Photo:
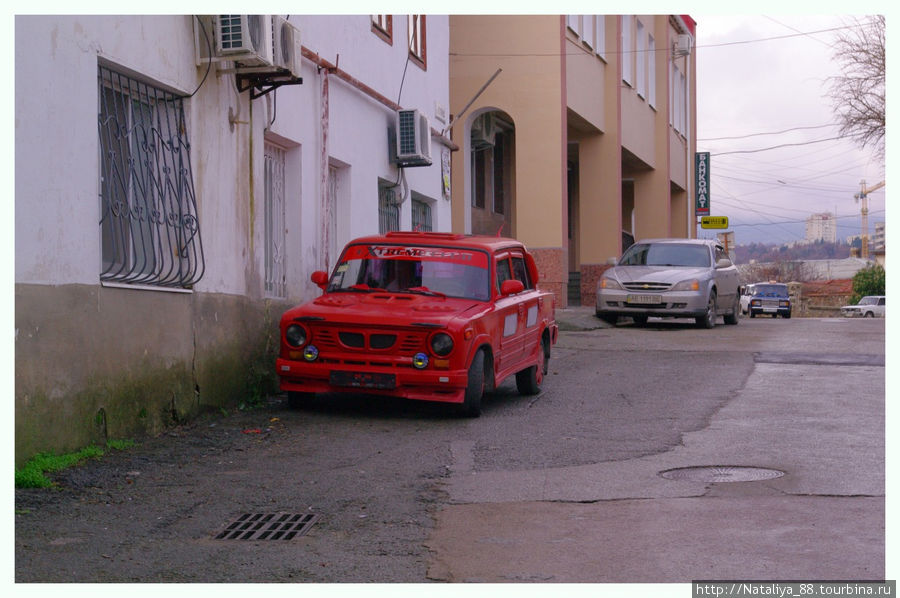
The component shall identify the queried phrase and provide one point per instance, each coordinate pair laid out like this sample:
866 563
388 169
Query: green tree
868 281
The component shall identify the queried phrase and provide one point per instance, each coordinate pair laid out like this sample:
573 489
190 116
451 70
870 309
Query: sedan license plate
363 380
644 299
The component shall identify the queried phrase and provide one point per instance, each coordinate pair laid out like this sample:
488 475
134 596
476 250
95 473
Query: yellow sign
714 221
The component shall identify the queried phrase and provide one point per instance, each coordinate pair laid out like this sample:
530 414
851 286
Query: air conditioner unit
413 138
484 132
245 39
287 50
683 45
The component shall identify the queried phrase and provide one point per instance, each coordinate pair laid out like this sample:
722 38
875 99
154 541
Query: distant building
821 227
878 238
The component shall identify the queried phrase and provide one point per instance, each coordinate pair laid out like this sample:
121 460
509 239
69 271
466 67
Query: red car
428 316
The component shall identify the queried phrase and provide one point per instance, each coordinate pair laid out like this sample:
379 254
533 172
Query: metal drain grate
721 473
268 526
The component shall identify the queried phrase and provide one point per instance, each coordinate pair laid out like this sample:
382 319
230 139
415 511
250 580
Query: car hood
664 274
381 308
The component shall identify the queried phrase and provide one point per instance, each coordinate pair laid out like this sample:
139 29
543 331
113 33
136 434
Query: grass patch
32 474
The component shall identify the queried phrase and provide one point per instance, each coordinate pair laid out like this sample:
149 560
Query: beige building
582 140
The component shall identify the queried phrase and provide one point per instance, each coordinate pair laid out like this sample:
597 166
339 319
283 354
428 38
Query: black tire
471 406
752 314
298 400
732 318
869 315
639 321
708 320
529 380
787 316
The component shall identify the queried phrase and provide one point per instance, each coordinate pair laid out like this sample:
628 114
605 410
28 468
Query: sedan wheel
471 406
708 320
732 318
529 380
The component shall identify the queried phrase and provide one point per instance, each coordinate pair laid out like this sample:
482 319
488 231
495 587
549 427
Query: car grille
769 302
646 286
400 342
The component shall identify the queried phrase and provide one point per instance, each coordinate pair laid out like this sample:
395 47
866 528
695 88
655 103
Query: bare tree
858 93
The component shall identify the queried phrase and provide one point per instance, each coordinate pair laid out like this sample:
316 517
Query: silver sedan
671 278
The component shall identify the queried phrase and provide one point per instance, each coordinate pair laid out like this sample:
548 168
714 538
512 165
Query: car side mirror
511 287
723 263
320 279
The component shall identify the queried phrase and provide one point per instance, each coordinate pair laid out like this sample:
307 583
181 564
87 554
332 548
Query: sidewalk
581 317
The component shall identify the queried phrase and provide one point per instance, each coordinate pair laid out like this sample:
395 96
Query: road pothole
721 473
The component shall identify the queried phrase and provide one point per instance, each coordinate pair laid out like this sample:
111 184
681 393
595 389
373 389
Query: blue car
770 298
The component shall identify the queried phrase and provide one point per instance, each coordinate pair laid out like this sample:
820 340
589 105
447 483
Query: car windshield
443 272
771 290
667 254
868 301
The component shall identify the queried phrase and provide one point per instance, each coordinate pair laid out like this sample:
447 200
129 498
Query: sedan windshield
771 290
868 301
666 254
427 271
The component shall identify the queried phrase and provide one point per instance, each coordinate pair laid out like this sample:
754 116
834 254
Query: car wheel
471 406
529 380
732 318
752 314
298 400
869 314
639 320
787 316
708 320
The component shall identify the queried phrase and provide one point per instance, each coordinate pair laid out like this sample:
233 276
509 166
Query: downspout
326 200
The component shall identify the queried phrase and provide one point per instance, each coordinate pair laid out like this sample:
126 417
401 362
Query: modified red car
428 316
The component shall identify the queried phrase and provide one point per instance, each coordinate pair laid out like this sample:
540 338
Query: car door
727 280
511 317
529 310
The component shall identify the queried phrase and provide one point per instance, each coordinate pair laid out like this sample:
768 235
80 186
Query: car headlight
295 335
610 283
687 285
441 344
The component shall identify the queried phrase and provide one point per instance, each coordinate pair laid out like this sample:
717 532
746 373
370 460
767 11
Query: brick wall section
553 272
590 274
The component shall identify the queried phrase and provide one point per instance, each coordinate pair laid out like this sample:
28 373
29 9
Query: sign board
714 222
701 188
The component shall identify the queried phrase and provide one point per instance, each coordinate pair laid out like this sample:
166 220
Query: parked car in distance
870 306
427 316
746 294
671 278
770 298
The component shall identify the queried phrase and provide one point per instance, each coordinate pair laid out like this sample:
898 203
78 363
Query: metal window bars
150 233
275 221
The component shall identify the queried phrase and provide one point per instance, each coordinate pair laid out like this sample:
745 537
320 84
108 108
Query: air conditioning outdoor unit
287 50
484 132
683 44
246 39
413 138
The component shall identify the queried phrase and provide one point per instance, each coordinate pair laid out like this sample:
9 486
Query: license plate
770 309
644 299
364 380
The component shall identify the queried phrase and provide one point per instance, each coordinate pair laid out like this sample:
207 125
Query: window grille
275 221
149 230
388 210
421 215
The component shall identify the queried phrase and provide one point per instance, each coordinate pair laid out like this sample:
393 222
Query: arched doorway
492 174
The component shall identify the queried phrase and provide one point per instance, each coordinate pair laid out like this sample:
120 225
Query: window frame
417 38
383 27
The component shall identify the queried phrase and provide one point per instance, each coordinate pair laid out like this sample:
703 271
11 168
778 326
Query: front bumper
669 304
446 386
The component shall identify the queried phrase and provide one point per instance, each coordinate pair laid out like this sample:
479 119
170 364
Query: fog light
420 361
310 353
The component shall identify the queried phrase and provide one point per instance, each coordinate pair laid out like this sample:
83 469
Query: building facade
176 197
578 135
821 227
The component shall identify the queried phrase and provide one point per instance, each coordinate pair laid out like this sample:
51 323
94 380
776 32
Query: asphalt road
565 486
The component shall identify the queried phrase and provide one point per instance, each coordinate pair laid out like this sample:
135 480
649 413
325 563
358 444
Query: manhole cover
721 473
268 526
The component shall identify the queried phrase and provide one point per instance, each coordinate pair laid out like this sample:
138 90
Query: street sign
714 222
701 174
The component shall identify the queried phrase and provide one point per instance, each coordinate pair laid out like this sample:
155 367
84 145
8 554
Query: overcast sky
751 88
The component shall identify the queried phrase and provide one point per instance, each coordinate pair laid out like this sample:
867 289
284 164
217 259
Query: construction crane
863 196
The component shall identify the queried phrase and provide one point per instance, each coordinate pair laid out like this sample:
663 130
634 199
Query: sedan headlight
687 285
610 283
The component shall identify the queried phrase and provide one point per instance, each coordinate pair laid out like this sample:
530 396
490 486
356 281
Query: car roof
485 242
681 241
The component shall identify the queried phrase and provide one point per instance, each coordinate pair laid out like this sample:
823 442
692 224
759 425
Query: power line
761 134
766 149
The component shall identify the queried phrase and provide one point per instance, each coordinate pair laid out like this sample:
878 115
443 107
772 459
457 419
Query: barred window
149 231
388 209
421 215
275 220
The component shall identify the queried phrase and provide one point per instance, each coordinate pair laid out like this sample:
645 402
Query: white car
870 306
671 278
746 294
